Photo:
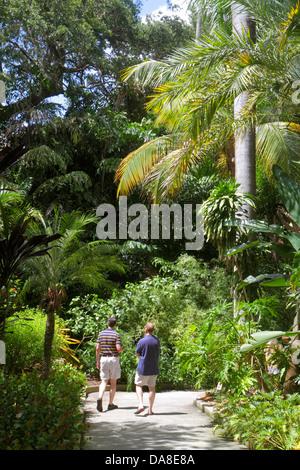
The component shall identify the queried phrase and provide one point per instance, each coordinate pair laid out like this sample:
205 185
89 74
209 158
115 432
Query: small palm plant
15 249
72 263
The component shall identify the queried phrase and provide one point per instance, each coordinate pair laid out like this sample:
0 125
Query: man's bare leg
102 389
139 392
151 399
112 392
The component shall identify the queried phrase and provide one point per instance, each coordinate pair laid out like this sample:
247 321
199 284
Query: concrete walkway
178 424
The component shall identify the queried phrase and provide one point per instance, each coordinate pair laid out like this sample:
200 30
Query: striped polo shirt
108 339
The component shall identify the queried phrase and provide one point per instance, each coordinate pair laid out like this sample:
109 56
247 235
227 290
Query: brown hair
112 321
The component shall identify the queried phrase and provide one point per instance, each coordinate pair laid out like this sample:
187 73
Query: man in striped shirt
109 344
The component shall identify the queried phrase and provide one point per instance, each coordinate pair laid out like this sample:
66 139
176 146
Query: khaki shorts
147 380
110 368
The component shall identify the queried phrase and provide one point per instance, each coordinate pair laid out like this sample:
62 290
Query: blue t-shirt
148 349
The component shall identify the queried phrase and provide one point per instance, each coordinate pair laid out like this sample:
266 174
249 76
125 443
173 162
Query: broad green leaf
282 250
245 246
280 282
258 226
290 192
294 239
262 337
261 278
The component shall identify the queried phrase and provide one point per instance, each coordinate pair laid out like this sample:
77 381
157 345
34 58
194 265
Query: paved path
176 425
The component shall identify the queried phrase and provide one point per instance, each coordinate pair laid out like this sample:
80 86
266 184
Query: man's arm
138 349
118 344
98 349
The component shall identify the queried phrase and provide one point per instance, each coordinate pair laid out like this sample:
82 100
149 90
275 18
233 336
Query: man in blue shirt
147 370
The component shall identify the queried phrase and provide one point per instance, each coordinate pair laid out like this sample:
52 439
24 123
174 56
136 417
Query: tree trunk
52 303
245 173
49 335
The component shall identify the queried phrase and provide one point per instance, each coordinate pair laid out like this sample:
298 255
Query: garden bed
260 421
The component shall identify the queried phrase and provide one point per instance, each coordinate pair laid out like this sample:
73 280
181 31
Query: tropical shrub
209 349
265 420
24 340
41 414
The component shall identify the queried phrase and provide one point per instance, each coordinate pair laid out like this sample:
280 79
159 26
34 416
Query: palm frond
90 264
71 260
40 160
278 143
291 26
73 181
149 72
136 165
165 178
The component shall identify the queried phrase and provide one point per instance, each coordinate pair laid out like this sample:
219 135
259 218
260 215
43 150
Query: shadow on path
176 425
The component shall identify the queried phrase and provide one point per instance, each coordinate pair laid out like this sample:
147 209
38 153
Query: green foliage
24 340
161 37
208 350
41 415
16 248
195 89
74 262
290 192
265 420
267 196
261 338
63 45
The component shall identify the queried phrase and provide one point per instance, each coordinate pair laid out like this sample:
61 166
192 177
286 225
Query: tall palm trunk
199 22
244 141
244 151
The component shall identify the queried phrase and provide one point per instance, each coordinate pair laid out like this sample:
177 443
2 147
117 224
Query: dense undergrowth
189 302
42 415
262 421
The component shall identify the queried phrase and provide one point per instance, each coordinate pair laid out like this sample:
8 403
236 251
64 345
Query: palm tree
16 248
195 92
72 263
